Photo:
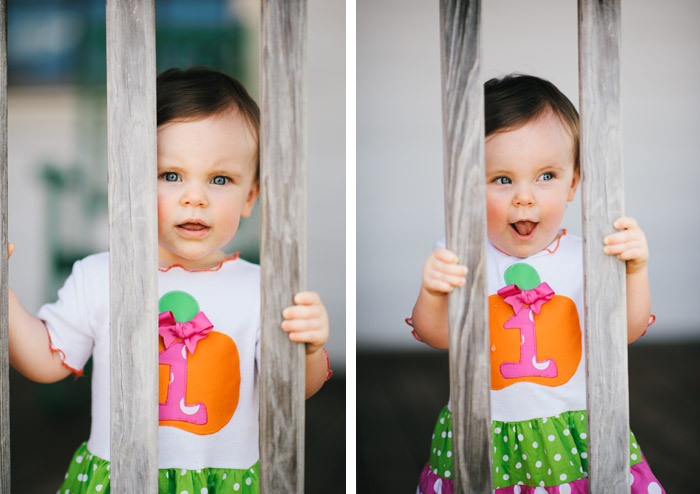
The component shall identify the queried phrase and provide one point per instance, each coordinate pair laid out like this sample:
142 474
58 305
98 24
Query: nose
523 196
194 195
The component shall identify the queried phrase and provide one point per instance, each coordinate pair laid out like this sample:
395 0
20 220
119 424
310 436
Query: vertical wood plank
603 202
131 143
283 241
465 213
4 337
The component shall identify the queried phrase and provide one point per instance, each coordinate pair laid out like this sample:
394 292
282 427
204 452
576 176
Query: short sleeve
68 319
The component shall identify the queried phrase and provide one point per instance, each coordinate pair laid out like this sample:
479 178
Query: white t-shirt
209 418
552 380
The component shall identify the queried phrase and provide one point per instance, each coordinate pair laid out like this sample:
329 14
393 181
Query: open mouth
193 229
193 226
524 228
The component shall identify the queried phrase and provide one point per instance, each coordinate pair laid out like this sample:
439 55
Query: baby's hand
10 249
629 244
442 273
307 321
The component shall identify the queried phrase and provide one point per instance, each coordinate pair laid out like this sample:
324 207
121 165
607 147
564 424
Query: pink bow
535 297
191 332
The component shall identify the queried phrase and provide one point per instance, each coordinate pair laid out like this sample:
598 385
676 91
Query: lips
193 226
193 229
524 228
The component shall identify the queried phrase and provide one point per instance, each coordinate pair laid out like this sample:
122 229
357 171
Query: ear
250 200
574 185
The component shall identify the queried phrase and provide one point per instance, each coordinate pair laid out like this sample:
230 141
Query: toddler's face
529 179
206 183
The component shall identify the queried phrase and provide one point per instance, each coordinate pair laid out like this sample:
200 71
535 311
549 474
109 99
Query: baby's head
514 100
208 160
532 162
200 92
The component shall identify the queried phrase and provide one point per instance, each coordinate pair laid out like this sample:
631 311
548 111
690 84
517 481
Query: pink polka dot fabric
642 481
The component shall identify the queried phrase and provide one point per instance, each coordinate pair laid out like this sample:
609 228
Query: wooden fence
283 241
4 336
131 101
602 190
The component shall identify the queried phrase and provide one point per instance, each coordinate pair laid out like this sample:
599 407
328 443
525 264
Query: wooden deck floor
400 395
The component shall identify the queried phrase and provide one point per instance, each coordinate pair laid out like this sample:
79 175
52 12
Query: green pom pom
183 305
523 275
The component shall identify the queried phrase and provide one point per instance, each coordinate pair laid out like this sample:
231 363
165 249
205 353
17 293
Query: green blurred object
219 47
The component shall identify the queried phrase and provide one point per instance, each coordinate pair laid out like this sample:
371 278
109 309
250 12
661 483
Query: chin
519 251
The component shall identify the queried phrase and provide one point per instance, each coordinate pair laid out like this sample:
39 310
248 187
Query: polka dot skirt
88 474
539 456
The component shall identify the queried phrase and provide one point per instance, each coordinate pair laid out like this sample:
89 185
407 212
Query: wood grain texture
131 142
283 241
4 337
465 208
603 203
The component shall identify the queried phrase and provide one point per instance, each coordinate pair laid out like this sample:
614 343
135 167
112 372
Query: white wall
399 146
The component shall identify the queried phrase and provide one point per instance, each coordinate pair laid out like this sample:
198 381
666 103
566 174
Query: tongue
524 227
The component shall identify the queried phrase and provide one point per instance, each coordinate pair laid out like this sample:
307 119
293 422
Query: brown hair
517 99
201 92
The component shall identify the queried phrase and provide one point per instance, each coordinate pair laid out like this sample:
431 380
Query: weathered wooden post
283 241
131 148
465 222
603 202
4 336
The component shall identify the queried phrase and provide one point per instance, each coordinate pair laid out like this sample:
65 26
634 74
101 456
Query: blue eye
547 176
220 180
170 177
503 180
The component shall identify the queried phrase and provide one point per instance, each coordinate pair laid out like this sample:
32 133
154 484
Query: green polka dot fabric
539 452
88 474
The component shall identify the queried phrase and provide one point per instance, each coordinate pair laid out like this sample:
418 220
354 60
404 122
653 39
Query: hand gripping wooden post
4 347
133 245
283 241
604 292
465 221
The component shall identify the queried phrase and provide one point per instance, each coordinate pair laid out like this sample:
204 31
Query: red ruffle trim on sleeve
652 320
76 372
329 372
409 321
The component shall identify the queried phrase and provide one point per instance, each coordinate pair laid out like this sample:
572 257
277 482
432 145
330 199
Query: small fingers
445 255
10 249
619 248
302 312
301 337
307 298
438 280
623 237
296 325
633 254
440 286
625 222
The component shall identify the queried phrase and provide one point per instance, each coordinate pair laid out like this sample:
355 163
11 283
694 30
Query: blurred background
403 384
58 191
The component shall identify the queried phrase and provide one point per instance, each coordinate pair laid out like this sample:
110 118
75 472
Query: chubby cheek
555 209
496 215
164 211
227 219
